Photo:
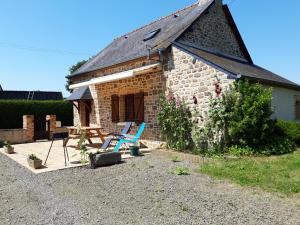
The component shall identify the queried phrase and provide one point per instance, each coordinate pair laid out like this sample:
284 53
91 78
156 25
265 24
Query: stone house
194 52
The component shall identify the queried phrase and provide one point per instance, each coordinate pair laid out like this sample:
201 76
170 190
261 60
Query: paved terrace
56 159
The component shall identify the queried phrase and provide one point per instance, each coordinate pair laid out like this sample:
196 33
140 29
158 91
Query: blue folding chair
130 139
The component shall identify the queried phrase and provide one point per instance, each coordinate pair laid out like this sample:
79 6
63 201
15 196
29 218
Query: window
298 110
151 35
128 108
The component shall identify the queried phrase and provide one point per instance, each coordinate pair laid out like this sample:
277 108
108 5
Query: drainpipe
161 56
160 52
149 52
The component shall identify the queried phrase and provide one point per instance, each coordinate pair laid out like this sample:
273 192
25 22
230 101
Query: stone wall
212 31
188 78
18 136
181 75
152 84
79 117
14 136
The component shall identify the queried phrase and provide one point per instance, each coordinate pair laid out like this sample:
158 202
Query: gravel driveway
140 191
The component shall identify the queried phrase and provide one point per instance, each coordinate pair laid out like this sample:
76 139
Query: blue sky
39 40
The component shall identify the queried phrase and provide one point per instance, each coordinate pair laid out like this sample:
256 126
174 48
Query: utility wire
38 49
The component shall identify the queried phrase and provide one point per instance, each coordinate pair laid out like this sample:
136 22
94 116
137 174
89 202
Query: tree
72 69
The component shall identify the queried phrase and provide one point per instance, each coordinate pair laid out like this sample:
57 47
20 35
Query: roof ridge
159 19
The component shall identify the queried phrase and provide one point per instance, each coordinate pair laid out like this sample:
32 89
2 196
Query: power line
39 49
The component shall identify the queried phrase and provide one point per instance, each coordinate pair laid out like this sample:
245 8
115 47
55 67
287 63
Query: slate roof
82 93
237 67
132 45
23 95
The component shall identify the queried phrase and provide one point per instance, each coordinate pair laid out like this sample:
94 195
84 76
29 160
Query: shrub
289 129
240 122
175 120
278 146
12 111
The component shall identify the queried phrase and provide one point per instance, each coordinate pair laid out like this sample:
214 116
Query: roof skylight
152 34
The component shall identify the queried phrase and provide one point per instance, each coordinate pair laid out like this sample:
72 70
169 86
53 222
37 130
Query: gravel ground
140 191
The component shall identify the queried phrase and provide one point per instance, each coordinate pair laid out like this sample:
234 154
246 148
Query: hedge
12 111
290 129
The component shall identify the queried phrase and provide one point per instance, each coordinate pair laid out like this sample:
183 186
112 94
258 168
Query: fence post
28 125
51 124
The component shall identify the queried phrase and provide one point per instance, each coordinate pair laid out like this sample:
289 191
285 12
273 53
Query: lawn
274 174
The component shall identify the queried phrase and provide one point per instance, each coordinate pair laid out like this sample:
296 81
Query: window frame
134 108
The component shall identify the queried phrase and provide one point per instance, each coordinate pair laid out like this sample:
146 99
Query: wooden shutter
115 109
129 108
139 107
297 110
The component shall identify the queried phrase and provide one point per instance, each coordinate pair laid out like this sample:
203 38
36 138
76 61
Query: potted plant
8 148
34 161
134 150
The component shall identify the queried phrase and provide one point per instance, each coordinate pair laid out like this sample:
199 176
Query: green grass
274 174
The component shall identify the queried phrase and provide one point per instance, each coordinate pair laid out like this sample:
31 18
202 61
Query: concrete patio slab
56 159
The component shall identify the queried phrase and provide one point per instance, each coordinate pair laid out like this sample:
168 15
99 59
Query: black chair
59 136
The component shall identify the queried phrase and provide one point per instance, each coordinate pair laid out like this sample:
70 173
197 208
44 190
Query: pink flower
178 102
171 97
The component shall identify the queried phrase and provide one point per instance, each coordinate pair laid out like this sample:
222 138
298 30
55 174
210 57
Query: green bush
289 129
175 120
241 116
278 146
12 111
240 123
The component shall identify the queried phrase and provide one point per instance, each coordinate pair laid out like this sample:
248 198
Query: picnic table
90 132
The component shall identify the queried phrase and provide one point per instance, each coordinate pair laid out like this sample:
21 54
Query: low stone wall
26 134
15 136
18 136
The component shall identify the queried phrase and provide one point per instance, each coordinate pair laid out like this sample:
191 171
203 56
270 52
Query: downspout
160 53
